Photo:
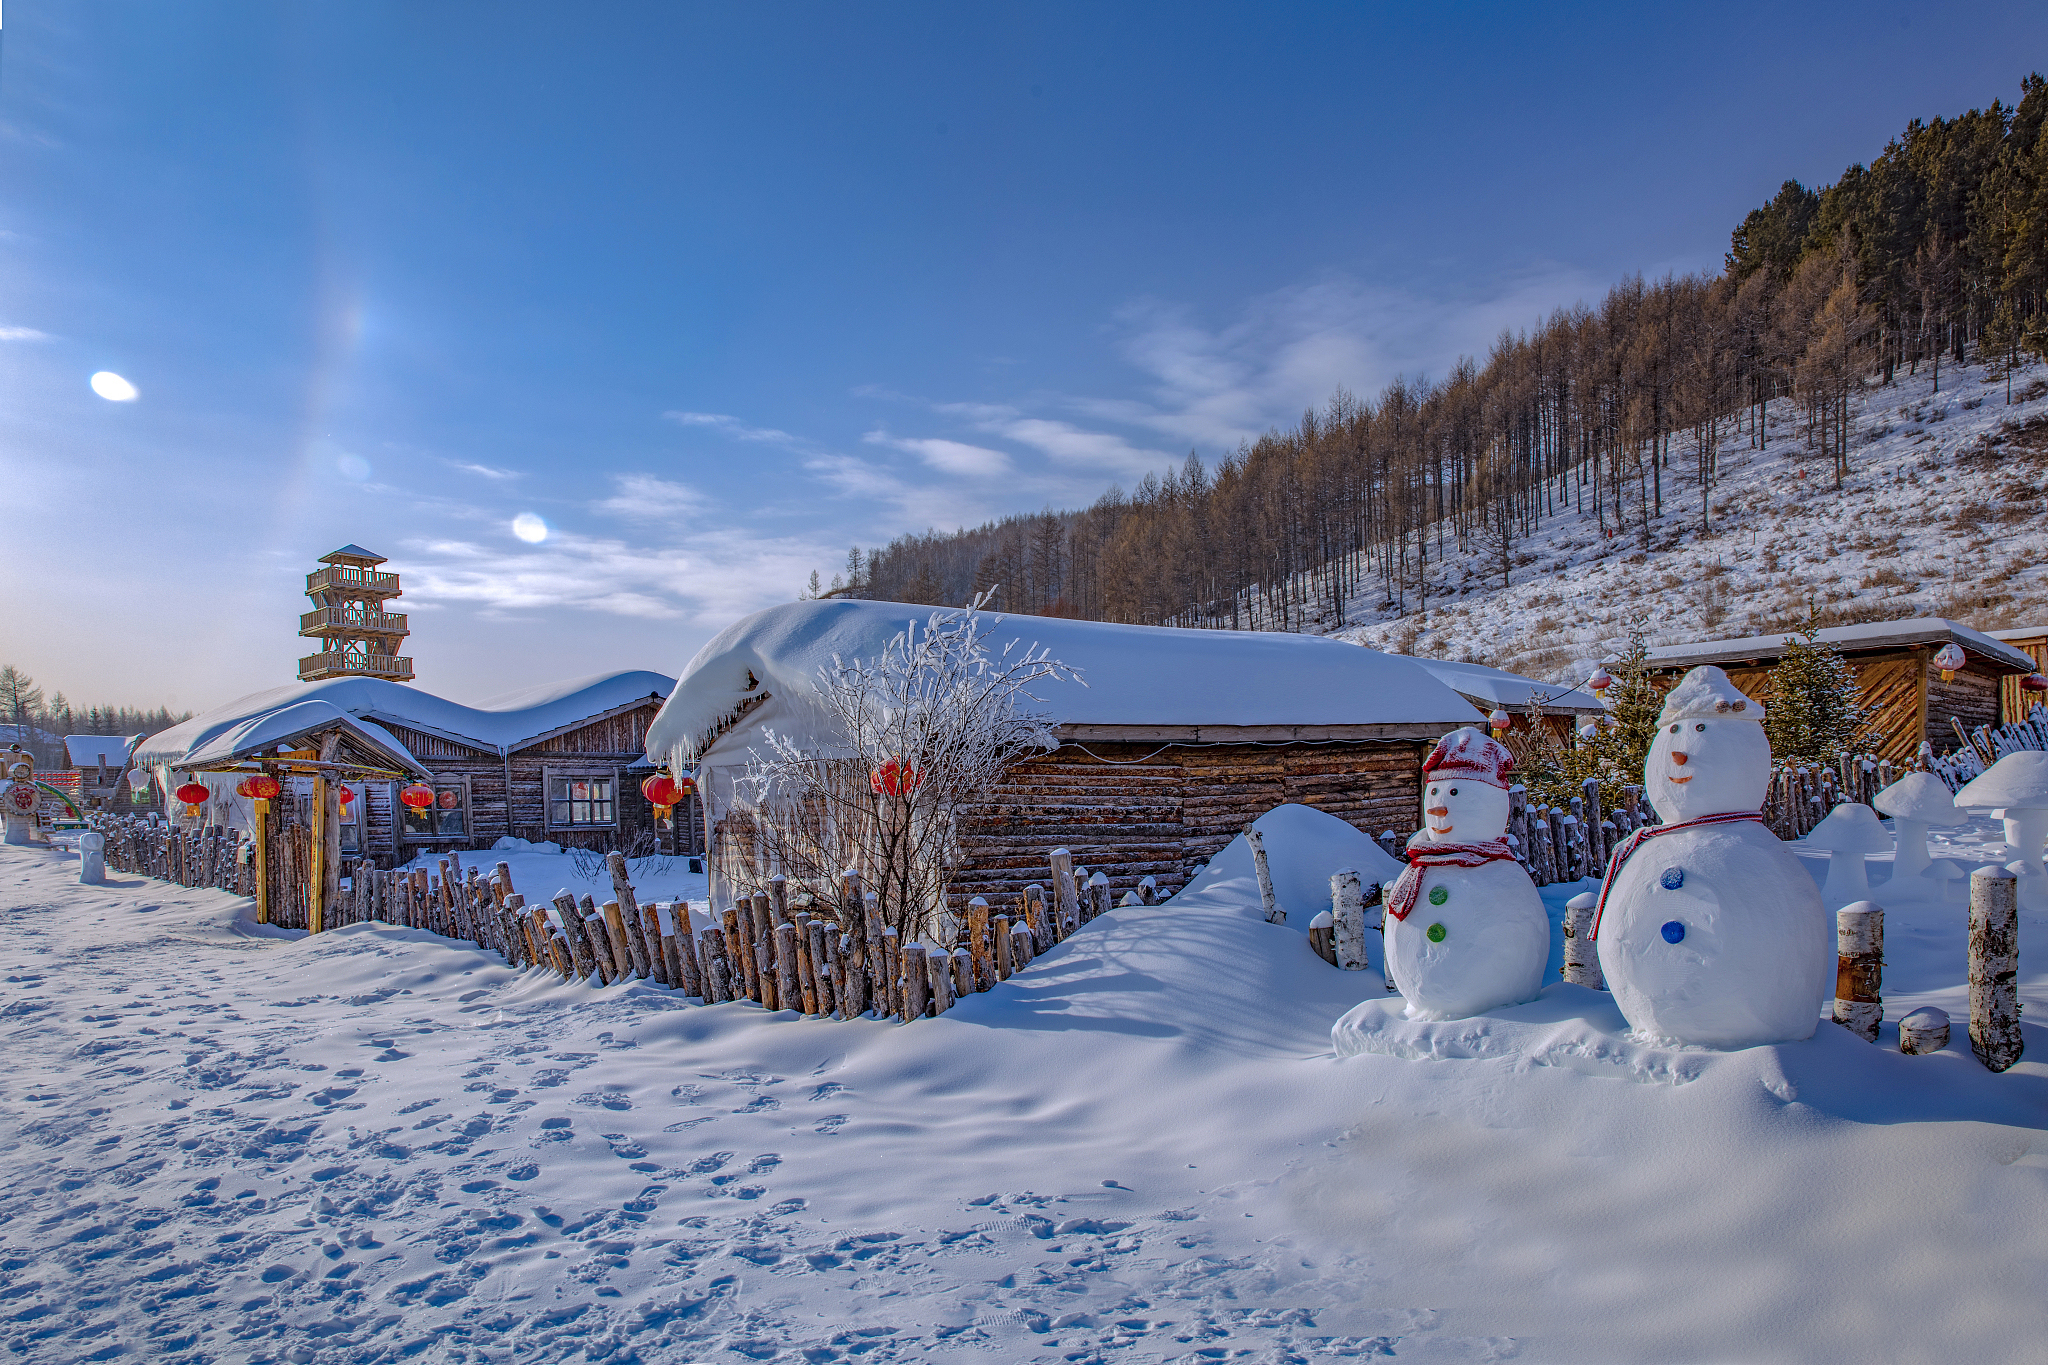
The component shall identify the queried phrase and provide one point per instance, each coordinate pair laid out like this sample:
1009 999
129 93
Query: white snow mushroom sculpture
1916 803
1849 832
2016 787
1709 930
1465 929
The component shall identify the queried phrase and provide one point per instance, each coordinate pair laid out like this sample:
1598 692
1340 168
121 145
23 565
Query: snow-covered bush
910 741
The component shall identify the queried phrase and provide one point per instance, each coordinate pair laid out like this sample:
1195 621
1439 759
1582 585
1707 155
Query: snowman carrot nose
1678 758
1439 810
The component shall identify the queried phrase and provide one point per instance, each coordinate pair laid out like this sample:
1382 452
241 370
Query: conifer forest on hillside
1933 256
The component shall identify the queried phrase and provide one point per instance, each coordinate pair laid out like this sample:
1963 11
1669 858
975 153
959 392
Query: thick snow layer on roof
2019 633
1133 675
90 751
1509 689
1869 634
500 724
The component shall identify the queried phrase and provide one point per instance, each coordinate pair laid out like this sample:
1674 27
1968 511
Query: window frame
550 776
404 817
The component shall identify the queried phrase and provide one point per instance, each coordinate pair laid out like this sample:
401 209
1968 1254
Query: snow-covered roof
91 751
1925 630
1133 675
499 725
351 551
1498 687
2020 633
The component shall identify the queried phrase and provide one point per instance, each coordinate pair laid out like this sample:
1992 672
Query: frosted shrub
910 742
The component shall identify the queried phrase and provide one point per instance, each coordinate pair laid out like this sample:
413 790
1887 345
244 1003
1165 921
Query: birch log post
1859 968
1066 911
1581 953
821 965
1923 1031
1347 909
1269 905
1994 967
711 961
853 977
939 971
1021 952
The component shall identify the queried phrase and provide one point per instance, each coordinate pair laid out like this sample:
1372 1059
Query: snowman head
1710 754
1465 789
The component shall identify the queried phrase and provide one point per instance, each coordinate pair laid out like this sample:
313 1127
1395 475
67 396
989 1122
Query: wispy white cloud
948 457
726 425
643 497
484 471
22 334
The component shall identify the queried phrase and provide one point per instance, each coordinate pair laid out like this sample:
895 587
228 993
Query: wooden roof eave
362 739
1257 734
560 730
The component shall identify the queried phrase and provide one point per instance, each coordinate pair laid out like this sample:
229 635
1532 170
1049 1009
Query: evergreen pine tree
1615 753
1815 712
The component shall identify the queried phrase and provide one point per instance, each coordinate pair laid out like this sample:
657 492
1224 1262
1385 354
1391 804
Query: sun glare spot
529 528
113 387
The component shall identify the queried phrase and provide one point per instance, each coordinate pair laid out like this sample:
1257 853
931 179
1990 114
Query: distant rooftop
351 554
1925 630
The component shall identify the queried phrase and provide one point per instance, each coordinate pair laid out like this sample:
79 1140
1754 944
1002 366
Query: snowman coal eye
1432 791
1676 728
1699 727
1454 791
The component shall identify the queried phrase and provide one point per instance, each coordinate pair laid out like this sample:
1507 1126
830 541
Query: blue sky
716 292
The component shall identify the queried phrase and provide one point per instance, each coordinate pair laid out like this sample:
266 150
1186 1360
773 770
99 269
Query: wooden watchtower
358 638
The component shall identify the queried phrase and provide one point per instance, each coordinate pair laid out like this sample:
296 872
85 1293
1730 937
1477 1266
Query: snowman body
1476 940
1714 935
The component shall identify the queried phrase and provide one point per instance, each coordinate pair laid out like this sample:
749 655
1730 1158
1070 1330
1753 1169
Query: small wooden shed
2014 702
1894 666
558 764
1177 741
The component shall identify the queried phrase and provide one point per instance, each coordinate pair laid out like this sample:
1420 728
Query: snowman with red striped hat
1709 930
1465 929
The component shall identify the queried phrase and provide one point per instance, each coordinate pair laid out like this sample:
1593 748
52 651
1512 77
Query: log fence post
1581 954
1347 911
1269 904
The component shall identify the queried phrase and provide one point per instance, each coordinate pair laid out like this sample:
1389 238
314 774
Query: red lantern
661 792
347 796
242 787
193 794
263 786
1500 720
1600 682
2034 682
1948 659
417 796
448 800
896 778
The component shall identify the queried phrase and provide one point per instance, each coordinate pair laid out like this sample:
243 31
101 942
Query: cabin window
584 801
353 815
447 818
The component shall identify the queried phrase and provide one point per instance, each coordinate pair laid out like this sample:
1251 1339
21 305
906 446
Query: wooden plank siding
2015 703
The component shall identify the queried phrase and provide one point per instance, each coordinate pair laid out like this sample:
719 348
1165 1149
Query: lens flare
529 528
113 387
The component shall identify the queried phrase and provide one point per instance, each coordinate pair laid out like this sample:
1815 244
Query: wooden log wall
1132 811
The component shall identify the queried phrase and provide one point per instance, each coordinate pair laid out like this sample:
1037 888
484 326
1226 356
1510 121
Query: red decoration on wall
263 786
417 796
661 791
896 778
194 794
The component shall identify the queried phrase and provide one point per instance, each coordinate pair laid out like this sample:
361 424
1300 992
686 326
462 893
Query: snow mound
1303 847
1566 1026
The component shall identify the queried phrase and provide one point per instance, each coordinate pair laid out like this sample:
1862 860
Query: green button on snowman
1465 929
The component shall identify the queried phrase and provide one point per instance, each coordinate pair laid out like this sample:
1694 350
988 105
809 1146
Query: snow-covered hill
1942 515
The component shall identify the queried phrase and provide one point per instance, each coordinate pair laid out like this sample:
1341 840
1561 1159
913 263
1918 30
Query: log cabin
1895 674
101 762
558 764
2016 702
1168 746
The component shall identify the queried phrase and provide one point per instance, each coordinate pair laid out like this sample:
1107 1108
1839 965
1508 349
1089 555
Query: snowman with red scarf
1709 930
1465 929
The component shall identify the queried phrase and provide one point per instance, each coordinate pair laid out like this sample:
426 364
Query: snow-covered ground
226 1143
1925 525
